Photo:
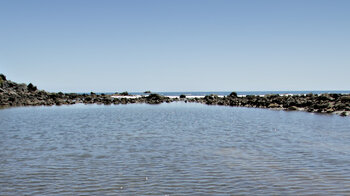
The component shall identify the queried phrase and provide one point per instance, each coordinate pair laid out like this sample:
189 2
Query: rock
147 92
124 93
334 95
321 105
273 105
272 96
211 99
13 94
345 99
292 108
31 87
154 99
60 95
330 110
325 97
344 114
2 77
22 88
233 94
154 96
250 96
88 99
340 106
310 95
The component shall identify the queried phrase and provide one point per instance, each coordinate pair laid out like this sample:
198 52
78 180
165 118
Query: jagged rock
31 87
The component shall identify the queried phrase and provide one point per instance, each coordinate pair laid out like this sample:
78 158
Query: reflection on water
172 149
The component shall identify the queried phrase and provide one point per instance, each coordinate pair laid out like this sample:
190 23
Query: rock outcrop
13 94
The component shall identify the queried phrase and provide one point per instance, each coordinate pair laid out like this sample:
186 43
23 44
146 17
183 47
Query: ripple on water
172 149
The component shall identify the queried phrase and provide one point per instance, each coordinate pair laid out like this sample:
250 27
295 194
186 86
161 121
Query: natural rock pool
172 149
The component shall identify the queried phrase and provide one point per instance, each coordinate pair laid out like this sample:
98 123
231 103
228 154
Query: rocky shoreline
14 94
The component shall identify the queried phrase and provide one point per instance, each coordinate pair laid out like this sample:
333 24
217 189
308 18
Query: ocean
224 93
172 149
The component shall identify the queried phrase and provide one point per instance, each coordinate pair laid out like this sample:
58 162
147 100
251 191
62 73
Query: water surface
171 149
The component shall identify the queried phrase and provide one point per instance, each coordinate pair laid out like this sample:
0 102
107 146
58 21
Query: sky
176 45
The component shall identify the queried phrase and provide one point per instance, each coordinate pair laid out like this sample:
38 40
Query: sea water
172 149
225 93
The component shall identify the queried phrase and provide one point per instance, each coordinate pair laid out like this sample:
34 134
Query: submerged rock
344 114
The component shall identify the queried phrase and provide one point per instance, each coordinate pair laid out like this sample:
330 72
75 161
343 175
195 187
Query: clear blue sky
178 45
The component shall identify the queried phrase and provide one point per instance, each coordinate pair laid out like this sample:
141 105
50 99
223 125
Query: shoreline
13 94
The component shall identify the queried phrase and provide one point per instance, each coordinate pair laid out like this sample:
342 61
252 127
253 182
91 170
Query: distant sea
224 93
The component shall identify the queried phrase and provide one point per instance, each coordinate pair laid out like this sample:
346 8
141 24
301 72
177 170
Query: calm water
172 149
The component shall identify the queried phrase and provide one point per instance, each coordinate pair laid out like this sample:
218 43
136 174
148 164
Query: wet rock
273 105
330 110
292 108
344 114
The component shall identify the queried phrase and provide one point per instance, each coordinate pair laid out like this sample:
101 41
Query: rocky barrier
323 103
13 94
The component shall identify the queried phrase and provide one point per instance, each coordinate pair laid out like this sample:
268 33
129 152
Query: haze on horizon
184 45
